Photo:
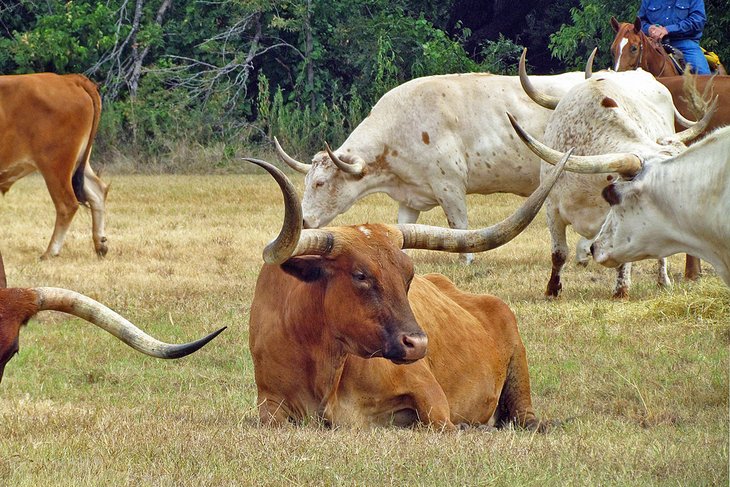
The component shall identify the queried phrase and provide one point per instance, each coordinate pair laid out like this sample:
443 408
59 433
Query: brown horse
632 49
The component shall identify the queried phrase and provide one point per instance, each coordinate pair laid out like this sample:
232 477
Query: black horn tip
179 351
520 131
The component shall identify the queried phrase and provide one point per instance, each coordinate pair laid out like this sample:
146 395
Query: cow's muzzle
408 348
602 257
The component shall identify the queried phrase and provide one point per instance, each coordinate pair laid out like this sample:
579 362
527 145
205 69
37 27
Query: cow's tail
77 180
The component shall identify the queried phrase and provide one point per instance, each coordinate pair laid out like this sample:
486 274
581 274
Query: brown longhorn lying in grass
340 325
18 305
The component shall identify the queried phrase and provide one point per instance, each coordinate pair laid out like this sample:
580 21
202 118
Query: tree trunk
138 57
308 48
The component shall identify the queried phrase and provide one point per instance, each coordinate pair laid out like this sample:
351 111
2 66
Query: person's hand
656 32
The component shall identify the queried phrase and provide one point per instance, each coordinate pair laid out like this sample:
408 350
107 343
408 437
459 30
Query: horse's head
628 46
632 49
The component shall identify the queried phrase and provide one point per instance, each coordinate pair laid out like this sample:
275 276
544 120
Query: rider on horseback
680 22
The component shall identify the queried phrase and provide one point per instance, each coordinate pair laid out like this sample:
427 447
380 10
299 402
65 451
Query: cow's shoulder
467 309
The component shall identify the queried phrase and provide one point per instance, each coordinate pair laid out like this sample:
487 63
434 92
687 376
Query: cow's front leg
272 412
406 214
432 406
96 192
453 201
623 281
662 278
559 255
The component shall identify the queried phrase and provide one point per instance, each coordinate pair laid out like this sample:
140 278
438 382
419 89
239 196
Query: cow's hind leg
662 278
515 402
95 191
66 205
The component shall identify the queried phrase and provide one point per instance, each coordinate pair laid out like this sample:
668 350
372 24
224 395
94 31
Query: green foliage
590 28
716 36
501 56
67 40
240 71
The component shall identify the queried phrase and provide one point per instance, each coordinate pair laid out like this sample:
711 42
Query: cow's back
431 124
42 115
611 112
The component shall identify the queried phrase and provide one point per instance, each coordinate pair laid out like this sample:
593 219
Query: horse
632 49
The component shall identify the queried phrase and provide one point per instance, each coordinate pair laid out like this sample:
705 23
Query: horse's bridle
643 37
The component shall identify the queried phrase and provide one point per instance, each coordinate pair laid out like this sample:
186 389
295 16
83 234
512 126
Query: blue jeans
692 55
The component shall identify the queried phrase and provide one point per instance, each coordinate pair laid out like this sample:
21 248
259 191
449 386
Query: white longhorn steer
611 112
430 142
672 206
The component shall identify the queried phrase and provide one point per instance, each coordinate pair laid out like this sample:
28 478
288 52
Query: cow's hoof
621 293
102 248
553 291
466 259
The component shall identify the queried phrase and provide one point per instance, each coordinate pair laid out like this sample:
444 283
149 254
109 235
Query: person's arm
645 23
694 23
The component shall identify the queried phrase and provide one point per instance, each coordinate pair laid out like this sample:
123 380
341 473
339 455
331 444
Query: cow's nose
414 345
593 250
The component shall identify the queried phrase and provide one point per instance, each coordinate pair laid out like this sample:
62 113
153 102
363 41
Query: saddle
676 56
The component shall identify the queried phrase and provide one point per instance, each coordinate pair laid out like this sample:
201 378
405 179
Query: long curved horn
450 240
541 99
355 167
293 163
589 63
56 299
684 122
292 240
699 127
626 164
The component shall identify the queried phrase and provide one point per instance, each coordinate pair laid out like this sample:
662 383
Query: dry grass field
642 383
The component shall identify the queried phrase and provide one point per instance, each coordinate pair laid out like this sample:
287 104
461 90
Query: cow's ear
614 24
611 195
308 268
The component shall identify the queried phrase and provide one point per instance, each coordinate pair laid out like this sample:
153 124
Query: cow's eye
359 276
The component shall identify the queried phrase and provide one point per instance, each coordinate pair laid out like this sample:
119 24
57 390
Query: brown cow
18 305
329 302
47 124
